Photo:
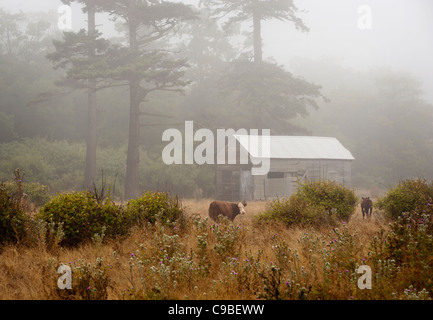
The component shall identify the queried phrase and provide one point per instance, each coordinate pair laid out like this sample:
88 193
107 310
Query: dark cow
366 207
227 209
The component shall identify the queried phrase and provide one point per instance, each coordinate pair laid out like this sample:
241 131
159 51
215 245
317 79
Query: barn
292 159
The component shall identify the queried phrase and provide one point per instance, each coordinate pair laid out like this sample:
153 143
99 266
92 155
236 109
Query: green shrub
83 216
329 196
407 196
287 210
12 217
153 206
314 203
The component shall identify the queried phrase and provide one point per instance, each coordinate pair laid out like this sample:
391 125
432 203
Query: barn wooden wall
235 183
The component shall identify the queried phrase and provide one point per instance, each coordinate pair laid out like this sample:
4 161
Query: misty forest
84 107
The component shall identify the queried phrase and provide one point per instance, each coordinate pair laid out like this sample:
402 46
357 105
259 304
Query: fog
400 36
362 74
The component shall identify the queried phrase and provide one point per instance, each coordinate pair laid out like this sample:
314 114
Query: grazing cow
227 209
366 207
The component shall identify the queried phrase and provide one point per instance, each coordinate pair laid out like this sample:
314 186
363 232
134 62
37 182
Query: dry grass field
201 260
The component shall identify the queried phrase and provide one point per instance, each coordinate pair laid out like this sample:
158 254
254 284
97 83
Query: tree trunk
91 138
258 56
132 181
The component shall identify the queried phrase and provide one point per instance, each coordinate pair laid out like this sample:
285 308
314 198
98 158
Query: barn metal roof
297 147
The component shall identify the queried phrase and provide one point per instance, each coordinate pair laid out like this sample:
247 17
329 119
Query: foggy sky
401 37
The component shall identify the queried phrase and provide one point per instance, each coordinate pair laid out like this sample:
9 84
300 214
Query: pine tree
257 11
145 67
78 52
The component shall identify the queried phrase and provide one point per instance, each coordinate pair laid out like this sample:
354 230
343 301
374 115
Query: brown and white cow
227 209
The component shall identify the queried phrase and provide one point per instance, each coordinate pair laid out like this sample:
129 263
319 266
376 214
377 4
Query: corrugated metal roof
297 147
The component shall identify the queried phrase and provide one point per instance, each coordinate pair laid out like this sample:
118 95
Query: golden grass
30 273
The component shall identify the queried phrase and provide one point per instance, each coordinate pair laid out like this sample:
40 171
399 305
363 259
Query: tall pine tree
257 11
144 66
77 52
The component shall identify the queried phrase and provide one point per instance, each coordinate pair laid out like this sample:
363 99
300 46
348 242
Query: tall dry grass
136 268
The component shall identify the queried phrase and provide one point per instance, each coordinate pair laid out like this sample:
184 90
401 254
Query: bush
287 210
82 216
330 197
315 203
12 217
407 196
153 206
